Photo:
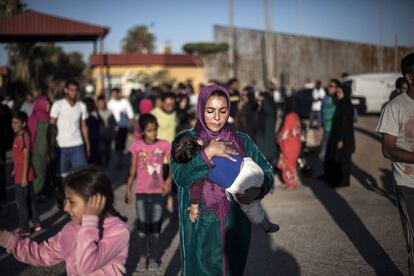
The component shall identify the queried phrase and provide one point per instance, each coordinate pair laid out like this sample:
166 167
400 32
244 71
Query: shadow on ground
349 222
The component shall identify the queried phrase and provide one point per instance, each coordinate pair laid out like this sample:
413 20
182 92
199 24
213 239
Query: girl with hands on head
95 241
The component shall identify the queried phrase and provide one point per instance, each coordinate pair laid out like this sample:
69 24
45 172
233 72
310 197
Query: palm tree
138 40
11 7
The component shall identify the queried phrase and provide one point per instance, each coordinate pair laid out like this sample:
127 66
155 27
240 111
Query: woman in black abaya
341 143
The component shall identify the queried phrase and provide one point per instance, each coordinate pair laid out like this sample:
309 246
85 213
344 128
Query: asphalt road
348 231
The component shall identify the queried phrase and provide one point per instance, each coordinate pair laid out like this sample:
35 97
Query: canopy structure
32 26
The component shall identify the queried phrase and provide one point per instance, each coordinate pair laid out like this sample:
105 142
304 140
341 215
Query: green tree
138 40
205 48
11 7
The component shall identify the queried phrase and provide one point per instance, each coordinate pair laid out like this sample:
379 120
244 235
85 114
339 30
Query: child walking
94 242
147 159
23 176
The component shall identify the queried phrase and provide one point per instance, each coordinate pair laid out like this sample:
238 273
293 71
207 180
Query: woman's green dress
201 242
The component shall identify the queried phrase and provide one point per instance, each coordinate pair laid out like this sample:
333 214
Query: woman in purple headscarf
38 127
218 243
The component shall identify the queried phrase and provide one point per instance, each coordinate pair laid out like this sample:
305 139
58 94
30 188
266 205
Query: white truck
370 92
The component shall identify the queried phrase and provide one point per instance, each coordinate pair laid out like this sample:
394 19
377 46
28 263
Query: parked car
370 92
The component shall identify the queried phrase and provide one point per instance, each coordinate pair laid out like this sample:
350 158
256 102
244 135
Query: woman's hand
95 205
249 195
340 144
219 148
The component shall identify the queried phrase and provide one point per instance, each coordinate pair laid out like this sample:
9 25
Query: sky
176 22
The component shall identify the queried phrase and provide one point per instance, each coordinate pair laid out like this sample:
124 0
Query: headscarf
145 106
39 113
227 133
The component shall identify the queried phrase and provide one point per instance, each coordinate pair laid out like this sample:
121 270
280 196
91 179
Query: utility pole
412 20
268 42
298 73
396 53
231 39
380 46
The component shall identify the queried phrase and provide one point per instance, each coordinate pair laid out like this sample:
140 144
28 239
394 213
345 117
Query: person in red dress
289 139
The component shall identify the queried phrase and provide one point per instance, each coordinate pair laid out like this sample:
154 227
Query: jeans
149 212
26 206
70 158
324 145
405 197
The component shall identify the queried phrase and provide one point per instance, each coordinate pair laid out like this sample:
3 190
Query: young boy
23 175
235 177
397 128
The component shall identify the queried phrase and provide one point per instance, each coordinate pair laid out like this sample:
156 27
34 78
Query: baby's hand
193 212
95 205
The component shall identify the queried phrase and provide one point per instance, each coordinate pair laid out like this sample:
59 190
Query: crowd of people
230 143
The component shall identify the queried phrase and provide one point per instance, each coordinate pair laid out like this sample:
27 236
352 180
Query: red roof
142 59
34 26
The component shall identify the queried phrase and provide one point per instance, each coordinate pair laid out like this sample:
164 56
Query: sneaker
153 265
142 265
37 227
22 231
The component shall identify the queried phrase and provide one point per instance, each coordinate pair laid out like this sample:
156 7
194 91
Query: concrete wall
297 58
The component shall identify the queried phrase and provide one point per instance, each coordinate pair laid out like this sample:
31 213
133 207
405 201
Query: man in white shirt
124 116
318 94
68 117
396 125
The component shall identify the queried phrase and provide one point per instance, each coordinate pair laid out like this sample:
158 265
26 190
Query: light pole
231 39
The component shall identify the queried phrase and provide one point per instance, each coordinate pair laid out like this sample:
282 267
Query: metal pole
297 73
412 20
101 75
380 46
231 39
396 53
268 41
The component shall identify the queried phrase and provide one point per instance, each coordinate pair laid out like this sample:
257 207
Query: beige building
127 71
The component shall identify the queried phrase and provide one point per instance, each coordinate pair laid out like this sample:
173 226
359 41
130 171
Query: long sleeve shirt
80 246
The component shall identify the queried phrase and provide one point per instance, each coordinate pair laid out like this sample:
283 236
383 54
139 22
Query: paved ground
348 231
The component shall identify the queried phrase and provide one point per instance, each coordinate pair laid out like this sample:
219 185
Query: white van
371 91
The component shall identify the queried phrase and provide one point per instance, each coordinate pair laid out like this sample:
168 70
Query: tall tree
11 7
138 40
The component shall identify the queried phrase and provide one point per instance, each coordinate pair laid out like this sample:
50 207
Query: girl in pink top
95 242
148 155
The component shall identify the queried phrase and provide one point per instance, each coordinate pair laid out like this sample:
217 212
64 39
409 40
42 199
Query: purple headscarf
39 113
227 133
